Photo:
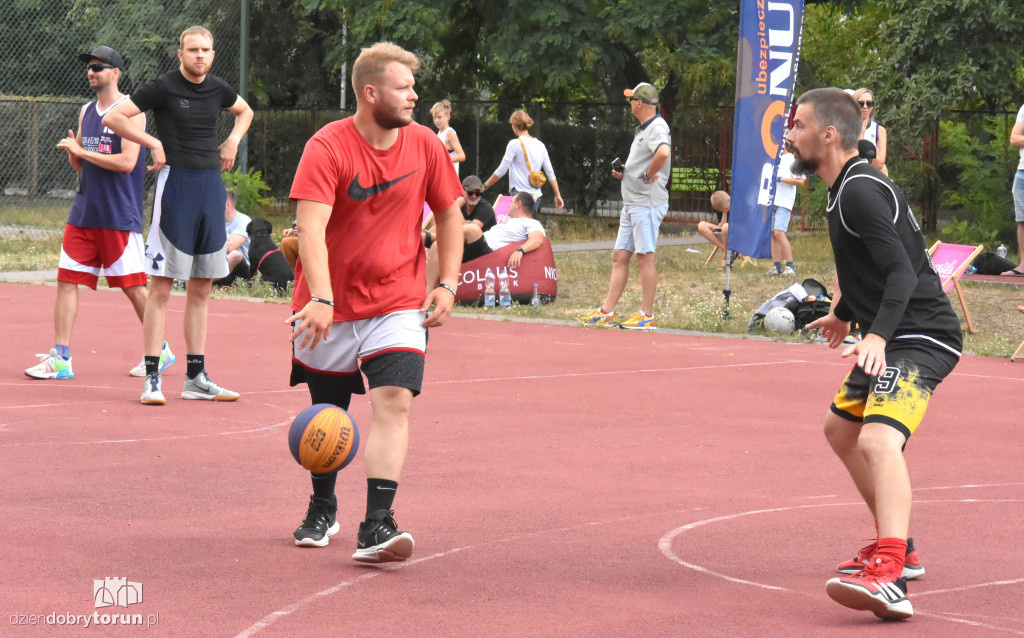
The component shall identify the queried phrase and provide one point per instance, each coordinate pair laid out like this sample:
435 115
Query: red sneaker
912 568
873 589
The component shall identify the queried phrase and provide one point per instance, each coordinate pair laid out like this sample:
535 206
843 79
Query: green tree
941 54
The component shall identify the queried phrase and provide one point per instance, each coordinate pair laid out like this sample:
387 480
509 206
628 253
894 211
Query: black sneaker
320 524
380 542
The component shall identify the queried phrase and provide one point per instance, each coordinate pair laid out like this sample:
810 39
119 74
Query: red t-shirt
375 251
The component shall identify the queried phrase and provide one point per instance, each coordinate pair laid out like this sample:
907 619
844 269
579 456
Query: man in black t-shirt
187 236
912 341
475 210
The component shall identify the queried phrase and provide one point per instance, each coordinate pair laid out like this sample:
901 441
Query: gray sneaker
202 388
151 394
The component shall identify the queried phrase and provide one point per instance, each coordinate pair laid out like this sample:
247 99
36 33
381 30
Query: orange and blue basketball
323 438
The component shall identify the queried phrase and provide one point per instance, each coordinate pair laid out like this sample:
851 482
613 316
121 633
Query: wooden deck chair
951 261
743 259
1016 353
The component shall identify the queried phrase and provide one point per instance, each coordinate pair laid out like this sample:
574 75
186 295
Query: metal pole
243 78
344 68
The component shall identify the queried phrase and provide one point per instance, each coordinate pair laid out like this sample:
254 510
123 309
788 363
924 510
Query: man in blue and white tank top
104 228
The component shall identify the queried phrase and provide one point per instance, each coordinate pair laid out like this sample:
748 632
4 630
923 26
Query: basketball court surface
561 481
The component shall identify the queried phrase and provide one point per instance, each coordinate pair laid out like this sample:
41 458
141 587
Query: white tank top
871 133
443 136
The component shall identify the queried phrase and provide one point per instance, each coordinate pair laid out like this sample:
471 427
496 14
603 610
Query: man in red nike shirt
360 280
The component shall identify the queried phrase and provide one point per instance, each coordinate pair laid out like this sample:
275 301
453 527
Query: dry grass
689 295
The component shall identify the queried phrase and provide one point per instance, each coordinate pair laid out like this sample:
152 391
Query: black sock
196 363
323 484
152 364
778 266
380 495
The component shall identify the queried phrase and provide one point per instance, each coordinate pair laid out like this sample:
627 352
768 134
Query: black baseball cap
104 54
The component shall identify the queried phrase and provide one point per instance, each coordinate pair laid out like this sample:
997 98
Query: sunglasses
869 104
474 193
99 68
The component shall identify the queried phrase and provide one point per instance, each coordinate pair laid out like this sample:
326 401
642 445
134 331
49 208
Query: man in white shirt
782 211
520 226
1017 140
237 246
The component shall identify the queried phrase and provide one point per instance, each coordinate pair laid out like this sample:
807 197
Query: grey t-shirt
649 137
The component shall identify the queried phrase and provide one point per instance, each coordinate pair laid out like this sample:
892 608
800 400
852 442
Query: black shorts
478 248
899 396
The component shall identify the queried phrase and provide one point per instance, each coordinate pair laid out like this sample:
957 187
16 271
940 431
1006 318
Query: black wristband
520 249
446 287
323 301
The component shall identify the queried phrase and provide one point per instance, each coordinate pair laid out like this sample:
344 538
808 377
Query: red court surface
562 481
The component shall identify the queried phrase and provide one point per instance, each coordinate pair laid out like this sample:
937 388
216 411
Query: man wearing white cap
645 178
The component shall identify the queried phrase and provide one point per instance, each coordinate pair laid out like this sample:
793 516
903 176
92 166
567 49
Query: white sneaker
167 360
51 366
789 270
151 394
203 388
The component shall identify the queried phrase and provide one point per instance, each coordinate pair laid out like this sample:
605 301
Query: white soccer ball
780 321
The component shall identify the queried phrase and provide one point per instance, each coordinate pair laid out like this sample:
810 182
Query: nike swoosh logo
360 194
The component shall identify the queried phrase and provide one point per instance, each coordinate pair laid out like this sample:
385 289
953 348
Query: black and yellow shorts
899 396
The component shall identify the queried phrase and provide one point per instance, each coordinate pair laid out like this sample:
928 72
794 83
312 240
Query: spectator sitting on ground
520 226
237 246
475 209
720 204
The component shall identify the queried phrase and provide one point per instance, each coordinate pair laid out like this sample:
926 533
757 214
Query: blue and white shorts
638 228
187 236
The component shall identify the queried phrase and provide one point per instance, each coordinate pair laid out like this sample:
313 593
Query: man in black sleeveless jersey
187 236
912 341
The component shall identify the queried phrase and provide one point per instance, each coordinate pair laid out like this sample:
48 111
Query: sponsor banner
766 65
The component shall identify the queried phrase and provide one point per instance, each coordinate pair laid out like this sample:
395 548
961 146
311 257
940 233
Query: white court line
959 487
566 375
973 623
159 439
665 545
274 616
966 587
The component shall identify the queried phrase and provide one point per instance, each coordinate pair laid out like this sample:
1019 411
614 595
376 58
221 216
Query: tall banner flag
766 63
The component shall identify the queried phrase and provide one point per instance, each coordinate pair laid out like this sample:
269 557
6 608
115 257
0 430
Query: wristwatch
520 249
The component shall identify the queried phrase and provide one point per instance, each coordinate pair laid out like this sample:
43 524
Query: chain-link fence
43 84
582 140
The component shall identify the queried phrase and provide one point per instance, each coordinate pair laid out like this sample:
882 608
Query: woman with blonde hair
442 114
525 155
871 130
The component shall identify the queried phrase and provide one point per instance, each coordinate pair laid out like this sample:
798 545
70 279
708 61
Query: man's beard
804 166
196 71
389 121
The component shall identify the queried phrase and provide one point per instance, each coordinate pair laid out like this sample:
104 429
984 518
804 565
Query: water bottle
1001 251
489 289
535 300
505 297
